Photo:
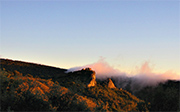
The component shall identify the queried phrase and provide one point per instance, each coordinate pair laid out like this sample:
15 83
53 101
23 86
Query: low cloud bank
102 69
144 76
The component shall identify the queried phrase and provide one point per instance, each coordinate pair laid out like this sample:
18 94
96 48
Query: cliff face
92 83
86 77
91 77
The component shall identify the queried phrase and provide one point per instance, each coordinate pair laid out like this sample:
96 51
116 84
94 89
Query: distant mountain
34 87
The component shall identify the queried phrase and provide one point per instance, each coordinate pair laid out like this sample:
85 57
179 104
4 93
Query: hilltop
34 87
42 71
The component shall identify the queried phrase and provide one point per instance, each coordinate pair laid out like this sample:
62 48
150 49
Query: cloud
148 77
143 77
102 69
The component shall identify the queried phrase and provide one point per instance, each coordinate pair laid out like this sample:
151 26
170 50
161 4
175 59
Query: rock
92 83
89 76
85 76
110 83
92 78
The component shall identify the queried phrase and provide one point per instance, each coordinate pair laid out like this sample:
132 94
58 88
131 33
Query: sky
73 33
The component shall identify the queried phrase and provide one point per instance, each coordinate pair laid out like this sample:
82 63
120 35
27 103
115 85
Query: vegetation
33 87
23 93
164 97
42 71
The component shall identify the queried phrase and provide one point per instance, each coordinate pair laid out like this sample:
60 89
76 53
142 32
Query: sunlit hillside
32 87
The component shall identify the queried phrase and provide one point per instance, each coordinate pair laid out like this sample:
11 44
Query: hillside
42 71
165 96
33 87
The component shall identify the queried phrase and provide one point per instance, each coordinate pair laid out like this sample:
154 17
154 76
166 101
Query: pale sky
76 33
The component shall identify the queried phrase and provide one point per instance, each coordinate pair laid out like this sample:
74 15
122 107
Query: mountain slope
42 71
22 93
52 89
164 96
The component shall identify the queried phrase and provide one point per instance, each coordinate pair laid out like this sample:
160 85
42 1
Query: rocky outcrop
92 83
110 83
87 76
92 77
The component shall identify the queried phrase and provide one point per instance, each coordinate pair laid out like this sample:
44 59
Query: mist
143 77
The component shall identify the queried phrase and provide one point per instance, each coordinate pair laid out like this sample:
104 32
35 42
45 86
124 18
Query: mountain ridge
60 91
72 89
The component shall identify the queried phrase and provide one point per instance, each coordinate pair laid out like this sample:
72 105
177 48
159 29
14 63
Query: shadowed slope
42 71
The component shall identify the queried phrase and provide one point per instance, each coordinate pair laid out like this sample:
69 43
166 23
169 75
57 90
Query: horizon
78 33
143 73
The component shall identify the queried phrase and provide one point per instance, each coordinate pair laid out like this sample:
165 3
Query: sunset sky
71 33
